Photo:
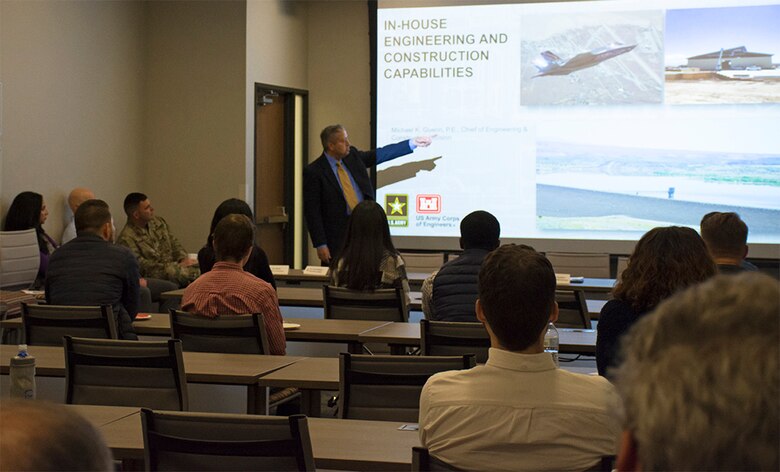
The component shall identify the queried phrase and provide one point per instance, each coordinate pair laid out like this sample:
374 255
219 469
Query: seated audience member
76 197
228 290
159 253
258 261
700 380
368 259
518 411
150 289
664 261
28 210
90 270
38 435
725 235
450 293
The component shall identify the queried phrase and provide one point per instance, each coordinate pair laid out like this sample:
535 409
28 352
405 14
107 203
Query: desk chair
125 373
622 264
606 464
47 324
233 334
422 262
572 309
205 441
385 304
20 257
580 264
387 388
446 338
422 461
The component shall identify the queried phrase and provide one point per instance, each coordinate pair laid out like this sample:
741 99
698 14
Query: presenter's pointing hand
423 141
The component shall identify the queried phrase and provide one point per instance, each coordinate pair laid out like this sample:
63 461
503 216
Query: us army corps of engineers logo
397 209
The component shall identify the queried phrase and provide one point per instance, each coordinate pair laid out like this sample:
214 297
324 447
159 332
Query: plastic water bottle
22 370
551 342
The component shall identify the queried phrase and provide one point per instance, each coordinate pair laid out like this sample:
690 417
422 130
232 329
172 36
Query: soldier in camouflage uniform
159 253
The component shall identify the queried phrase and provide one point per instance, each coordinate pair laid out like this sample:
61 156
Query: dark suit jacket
324 205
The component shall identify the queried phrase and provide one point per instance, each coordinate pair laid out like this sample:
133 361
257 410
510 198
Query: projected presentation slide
581 120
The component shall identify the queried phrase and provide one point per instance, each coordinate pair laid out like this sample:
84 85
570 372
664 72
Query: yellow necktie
346 186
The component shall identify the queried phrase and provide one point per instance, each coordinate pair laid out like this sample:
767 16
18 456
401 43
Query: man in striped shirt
228 290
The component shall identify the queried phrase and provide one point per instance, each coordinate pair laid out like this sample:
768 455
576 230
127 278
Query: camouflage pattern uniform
158 252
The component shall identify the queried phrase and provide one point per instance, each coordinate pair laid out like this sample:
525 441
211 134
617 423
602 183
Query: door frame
289 159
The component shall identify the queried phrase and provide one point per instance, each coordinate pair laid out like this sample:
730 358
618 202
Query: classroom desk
101 415
571 341
297 278
332 331
200 367
313 374
317 330
304 296
590 284
337 444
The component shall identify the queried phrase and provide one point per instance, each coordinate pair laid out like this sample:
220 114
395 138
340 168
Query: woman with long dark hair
258 261
28 210
368 259
664 261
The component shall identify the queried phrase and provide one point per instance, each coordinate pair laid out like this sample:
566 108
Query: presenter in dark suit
337 181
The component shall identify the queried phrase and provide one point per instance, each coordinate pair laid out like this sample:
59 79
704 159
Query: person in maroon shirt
229 290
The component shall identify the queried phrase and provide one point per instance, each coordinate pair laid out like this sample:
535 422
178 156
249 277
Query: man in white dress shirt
518 411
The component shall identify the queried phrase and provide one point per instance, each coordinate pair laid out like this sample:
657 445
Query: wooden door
270 179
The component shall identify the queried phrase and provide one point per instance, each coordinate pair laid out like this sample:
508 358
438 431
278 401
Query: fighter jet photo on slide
551 64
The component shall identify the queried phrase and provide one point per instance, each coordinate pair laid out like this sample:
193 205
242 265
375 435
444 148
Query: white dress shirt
519 412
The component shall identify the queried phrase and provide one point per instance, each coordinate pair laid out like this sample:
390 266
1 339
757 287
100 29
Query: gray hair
700 379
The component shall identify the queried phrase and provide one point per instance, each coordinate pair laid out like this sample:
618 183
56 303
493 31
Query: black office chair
385 304
233 334
206 441
125 373
422 461
448 338
572 309
47 324
388 387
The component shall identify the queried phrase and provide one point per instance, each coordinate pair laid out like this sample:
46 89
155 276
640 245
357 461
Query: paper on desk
563 278
280 269
315 270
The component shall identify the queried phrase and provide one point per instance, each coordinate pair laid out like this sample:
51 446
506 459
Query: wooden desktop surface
336 443
576 341
311 330
292 295
201 367
303 296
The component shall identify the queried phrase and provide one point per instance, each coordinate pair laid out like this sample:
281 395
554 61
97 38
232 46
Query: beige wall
194 129
339 71
158 97
72 100
275 55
